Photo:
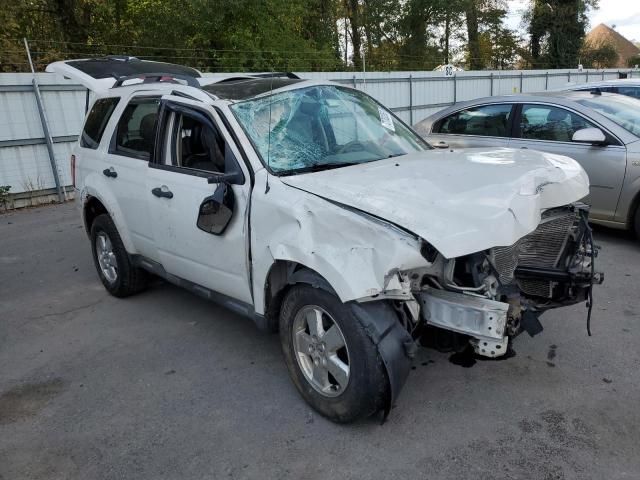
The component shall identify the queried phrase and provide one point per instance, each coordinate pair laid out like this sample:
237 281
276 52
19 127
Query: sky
625 14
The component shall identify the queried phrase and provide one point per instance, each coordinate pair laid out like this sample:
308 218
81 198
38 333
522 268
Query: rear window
97 122
486 120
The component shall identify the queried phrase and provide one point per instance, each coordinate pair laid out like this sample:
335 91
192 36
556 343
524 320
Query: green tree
557 29
603 55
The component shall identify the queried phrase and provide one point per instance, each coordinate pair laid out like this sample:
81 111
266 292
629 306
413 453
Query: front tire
112 261
331 360
636 222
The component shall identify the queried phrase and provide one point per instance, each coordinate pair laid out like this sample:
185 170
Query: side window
629 91
195 144
543 122
97 121
136 128
487 120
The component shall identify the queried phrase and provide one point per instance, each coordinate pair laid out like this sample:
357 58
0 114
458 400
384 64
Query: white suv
315 211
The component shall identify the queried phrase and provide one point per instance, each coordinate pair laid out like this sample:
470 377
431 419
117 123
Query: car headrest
557 115
147 127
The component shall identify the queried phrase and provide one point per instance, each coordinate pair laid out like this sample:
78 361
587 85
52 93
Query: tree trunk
356 40
473 36
447 34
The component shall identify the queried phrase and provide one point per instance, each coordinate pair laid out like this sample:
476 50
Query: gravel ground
167 385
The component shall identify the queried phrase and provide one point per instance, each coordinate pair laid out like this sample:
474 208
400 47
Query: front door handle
110 172
162 192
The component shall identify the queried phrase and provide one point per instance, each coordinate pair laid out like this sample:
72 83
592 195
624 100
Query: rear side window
629 91
487 120
97 122
136 128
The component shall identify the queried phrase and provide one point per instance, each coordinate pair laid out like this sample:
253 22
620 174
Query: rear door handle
110 172
162 192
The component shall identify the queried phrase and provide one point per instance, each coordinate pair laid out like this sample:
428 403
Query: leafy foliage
296 35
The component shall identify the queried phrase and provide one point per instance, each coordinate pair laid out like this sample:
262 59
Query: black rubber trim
395 345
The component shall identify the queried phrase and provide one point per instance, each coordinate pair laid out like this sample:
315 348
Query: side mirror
594 136
216 210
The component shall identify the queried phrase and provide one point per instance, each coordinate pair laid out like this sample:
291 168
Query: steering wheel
352 146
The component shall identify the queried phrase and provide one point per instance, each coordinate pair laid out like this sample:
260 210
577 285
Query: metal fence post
455 88
354 82
569 76
521 78
410 99
587 75
602 74
546 80
45 128
491 85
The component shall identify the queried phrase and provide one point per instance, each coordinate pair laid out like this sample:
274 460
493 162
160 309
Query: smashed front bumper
551 267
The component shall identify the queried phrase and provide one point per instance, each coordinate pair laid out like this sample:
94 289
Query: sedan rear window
97 122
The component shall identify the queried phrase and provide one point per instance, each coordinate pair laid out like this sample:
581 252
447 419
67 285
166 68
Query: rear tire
335 366
636 222
112 261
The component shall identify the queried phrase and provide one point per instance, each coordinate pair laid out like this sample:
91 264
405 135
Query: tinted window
543 122
629 91
136 129
488 120
196 145
97 121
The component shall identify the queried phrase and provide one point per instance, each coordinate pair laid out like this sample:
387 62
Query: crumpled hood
460 201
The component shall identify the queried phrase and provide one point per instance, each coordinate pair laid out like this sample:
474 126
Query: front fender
358 257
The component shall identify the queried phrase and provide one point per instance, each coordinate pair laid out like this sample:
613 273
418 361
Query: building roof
602 34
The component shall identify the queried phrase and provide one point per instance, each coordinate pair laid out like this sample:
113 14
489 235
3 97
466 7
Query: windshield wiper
319 167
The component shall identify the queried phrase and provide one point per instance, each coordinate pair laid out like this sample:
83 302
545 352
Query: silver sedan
599 130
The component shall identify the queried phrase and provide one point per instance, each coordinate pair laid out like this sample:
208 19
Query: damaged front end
493 295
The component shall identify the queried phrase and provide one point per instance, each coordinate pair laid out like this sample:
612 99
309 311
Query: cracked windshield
322 127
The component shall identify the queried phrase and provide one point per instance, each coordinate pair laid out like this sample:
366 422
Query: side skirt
230 303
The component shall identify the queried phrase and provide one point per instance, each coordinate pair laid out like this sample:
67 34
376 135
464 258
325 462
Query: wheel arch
94 205
282 275
378 318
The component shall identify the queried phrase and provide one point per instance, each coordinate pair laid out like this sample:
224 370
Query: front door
194 155
550 129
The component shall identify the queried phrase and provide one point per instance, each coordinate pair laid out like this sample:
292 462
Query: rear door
125 165
479 126
195 156
550 129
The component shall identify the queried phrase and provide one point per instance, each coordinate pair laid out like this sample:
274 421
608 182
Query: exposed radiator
541 248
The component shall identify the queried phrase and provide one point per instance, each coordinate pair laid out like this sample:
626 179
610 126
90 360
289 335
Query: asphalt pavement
166 385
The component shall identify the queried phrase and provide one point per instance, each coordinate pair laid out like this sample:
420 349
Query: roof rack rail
159 77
